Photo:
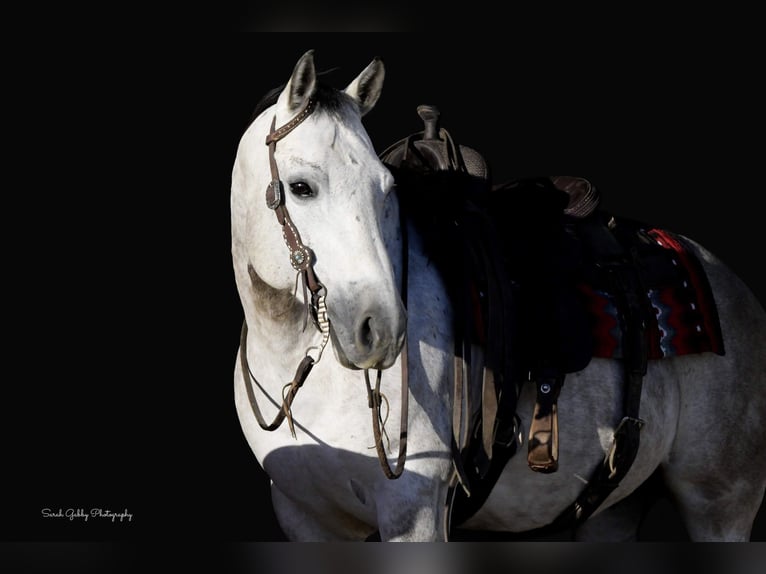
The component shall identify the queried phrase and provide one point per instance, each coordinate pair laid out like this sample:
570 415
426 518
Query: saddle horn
434 150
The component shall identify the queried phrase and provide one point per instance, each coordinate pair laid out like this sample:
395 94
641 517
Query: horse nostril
375 337
366 334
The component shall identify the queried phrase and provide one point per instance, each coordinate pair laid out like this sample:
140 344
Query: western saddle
510 256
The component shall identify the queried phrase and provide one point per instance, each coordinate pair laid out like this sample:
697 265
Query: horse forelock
327 99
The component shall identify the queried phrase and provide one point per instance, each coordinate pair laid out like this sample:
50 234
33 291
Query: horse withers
333 287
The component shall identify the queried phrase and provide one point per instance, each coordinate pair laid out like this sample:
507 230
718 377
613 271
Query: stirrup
543 446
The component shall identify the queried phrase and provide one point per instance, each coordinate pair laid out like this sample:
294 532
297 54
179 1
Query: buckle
274 194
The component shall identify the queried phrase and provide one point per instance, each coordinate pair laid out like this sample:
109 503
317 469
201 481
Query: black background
123 315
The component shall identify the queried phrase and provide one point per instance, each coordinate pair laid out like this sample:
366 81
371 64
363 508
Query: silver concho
300 259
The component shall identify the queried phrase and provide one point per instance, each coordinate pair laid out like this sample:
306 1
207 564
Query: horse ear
301 85
366 88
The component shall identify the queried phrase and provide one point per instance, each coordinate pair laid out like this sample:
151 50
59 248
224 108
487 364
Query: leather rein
302 260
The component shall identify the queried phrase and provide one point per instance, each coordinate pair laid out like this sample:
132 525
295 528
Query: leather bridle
302 260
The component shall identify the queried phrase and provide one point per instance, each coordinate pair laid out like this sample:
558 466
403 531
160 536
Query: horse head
336 192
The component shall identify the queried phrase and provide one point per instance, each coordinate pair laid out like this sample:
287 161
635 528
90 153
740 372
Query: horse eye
301 189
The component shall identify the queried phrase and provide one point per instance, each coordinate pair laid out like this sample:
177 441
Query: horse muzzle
373 340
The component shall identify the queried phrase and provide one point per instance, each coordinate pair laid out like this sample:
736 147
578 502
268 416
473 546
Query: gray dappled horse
318 263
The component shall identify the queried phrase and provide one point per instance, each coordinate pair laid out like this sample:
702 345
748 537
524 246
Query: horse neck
278 326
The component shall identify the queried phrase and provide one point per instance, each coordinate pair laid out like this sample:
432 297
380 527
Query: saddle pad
685 317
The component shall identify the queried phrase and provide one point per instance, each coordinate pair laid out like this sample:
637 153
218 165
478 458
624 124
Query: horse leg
303 524
411 509
715 508
716 470
717 476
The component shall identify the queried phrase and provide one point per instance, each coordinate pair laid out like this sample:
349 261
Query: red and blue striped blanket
685 317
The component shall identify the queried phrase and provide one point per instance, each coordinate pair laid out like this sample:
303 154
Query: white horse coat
704 413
